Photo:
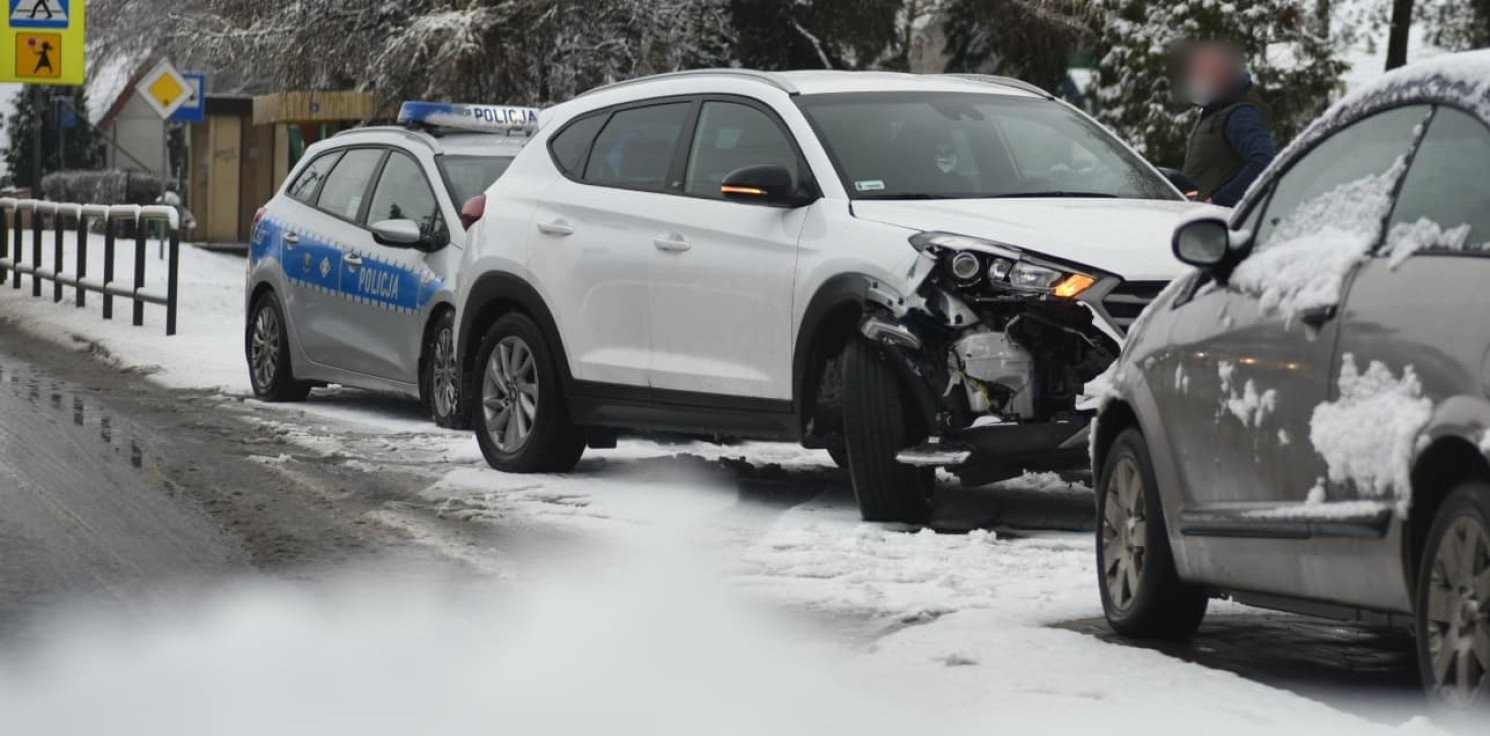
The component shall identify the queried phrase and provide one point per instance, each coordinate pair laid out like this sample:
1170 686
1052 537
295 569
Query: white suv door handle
561 228
671 243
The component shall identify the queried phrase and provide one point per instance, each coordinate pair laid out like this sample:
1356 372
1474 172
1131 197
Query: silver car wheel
1459 612
443 373
509 394
264 347
1124 533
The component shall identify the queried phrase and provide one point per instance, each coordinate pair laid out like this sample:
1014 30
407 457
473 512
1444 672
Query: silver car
352 264
1301 423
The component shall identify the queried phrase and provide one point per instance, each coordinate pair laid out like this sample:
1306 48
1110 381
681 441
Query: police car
352 263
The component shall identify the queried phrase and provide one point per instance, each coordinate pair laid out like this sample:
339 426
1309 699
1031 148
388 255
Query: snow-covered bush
101 187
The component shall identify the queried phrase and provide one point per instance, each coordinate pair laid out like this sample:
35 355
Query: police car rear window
309 182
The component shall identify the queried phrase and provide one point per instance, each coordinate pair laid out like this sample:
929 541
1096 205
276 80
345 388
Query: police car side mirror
765 184
397 233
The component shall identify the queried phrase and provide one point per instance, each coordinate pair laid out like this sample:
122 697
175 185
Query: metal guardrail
41 216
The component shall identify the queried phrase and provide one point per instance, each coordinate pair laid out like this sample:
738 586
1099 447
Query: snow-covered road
658 588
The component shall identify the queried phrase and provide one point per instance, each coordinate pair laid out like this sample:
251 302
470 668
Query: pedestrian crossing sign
43 42
39 13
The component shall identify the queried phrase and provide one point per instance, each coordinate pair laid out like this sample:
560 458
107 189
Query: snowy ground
660 587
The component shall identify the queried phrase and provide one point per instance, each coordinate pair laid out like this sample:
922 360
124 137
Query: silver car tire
1142 593
440 374
1453 603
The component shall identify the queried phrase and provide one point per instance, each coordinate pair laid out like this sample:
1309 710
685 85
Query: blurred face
1210 72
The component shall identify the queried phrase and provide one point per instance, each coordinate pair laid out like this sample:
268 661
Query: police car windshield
958 145
471 175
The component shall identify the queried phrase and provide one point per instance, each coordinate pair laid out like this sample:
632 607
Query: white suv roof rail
1019 84
767 77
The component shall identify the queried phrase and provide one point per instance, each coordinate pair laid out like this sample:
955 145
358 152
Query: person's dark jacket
1230 146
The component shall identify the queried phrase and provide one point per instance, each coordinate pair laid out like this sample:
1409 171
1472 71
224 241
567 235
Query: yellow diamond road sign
43 41
165 89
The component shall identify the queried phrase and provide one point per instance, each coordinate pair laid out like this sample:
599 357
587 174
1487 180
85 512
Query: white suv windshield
955 145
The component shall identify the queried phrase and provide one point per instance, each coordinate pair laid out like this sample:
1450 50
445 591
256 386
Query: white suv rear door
723 271
593 245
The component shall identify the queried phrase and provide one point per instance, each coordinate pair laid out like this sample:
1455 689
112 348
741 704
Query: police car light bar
481 118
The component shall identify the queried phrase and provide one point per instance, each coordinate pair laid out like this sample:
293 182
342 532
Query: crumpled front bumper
994 452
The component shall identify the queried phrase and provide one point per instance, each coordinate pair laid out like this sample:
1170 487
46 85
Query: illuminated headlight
1008 268
966 266
1028 276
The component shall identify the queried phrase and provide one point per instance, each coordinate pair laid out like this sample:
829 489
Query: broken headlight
973 261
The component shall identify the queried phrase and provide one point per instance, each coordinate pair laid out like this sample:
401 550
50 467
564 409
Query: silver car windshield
957 145
471 175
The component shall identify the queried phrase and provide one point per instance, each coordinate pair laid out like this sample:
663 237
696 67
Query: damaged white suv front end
997 336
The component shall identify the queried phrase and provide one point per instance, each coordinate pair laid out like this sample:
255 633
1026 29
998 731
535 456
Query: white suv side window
733 136
635 149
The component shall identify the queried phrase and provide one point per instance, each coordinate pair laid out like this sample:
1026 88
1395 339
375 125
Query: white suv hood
1127 237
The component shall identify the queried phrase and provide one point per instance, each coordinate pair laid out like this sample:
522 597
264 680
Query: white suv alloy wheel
509 394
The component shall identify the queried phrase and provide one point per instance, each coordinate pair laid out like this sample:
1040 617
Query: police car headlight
1008 269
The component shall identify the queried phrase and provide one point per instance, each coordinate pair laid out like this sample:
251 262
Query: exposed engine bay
989 335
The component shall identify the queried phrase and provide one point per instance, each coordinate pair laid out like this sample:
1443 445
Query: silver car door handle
556 227
671 244
291 239
353 260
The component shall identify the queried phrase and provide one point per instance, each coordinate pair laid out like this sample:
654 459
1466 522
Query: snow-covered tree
1457 25
35 119
1293 63
1029 39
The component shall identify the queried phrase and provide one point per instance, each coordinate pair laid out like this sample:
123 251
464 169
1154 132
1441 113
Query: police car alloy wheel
1454 602
268 353
516 402
440 374
264 347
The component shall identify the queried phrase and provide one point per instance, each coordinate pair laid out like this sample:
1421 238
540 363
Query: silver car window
1445 200
1368 147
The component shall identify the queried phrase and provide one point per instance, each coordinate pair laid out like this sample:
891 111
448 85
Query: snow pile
1368 434
1314 510
1303 264
1407 238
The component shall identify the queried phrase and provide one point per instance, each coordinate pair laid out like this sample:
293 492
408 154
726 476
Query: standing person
1231 143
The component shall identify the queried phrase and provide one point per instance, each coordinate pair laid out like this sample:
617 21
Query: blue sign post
193 110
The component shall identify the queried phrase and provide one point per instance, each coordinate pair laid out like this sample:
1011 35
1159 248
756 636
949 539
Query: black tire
1454 604
1142 594
876 426
439 374
552 444
839 453
266 346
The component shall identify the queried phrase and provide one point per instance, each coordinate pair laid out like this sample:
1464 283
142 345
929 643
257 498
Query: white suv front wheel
876 427
517 404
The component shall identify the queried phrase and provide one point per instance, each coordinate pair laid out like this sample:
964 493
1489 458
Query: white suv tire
876 428
515 372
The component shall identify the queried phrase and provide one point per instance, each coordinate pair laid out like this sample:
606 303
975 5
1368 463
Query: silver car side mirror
1203 243
397 233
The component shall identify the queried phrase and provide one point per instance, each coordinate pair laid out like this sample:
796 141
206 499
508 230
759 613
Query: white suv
910 271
